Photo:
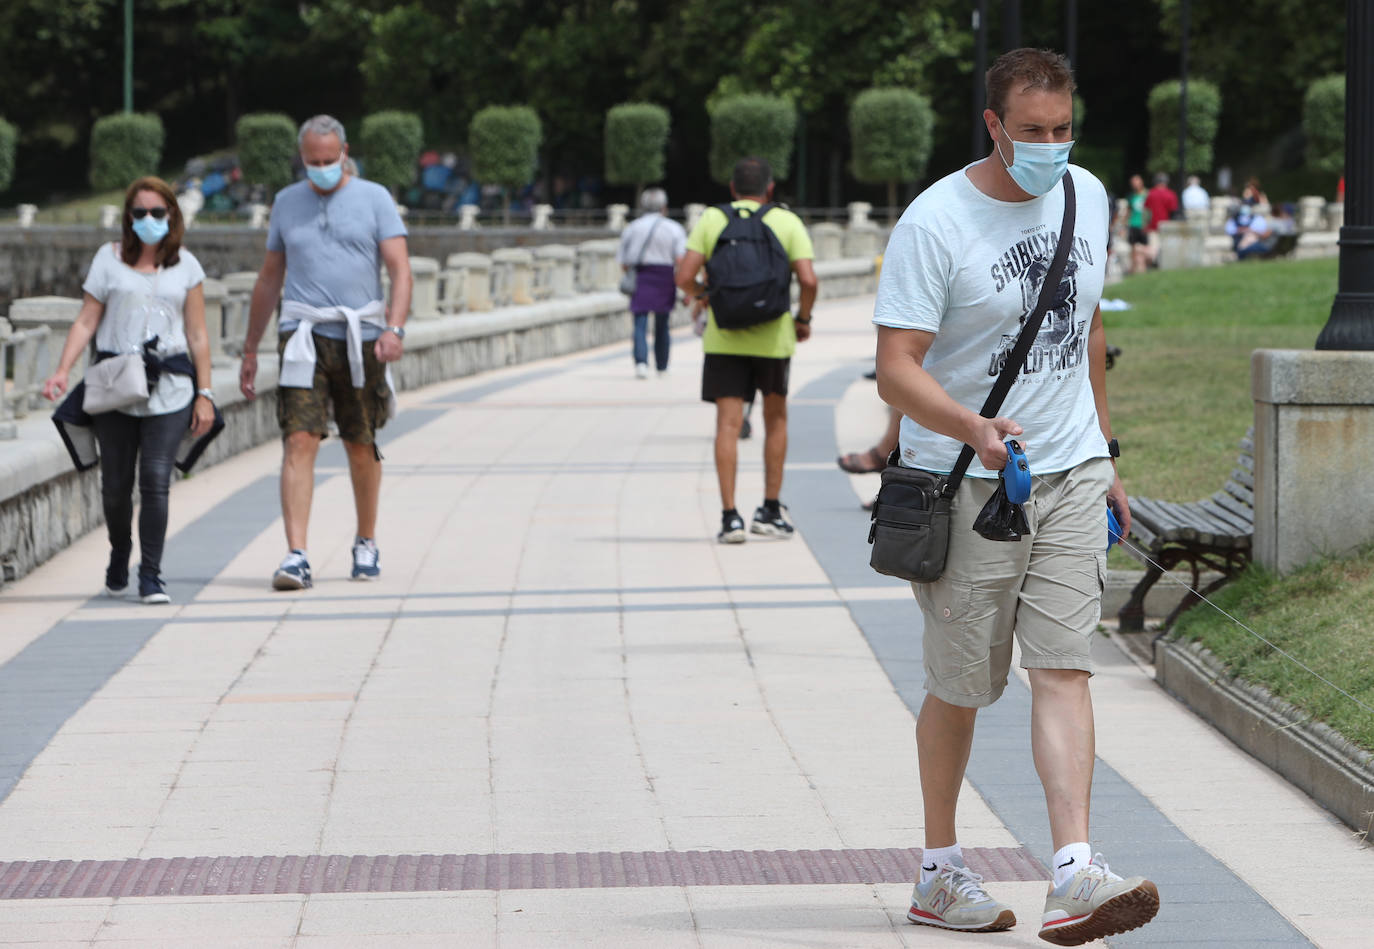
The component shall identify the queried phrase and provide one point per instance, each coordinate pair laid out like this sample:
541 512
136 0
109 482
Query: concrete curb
1310 755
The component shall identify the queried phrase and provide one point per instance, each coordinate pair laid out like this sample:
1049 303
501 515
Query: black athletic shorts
1137 235
724 377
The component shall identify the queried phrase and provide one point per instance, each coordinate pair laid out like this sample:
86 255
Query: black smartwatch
802 322
1113 449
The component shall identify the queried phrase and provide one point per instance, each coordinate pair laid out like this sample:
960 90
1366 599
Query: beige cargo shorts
1045 589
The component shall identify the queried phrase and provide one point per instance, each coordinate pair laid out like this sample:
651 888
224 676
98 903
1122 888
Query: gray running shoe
1095 903
955 899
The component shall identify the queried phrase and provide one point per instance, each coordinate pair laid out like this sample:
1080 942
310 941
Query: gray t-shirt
332 246
660 240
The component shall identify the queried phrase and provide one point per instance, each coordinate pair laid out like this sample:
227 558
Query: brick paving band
413 873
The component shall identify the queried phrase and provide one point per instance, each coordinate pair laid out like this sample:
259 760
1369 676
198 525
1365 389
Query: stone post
693 214
424 292
863 240
596 267
1182 244
190 202
542 217
467 217
109 217
1335 215
238 300
828 241
475 271
56 313
858 213
1314 439
257 216
559 263
615 216
27 212
216 293
31 364
1221 208
513 268
1312 213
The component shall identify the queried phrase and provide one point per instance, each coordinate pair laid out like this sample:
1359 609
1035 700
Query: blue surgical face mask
325 177
1036 167
150 229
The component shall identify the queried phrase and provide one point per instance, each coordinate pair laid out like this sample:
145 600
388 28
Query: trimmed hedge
504 142
1204 112
9 141
391 143
1323 121
892 131
267 146
124 146
757 126
636 135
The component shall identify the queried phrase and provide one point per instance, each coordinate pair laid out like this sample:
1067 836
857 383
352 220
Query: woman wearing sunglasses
144 294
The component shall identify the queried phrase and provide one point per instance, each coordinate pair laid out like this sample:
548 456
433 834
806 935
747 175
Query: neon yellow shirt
775 339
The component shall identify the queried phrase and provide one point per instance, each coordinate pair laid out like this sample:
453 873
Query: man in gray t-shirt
328 239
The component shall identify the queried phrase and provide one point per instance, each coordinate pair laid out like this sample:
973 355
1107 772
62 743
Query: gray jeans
146 446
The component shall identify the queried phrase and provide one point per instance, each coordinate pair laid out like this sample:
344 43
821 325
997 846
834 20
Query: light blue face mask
325 177
150 229
1036 167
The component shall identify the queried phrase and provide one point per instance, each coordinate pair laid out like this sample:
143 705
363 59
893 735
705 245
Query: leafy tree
1323 120
752 125
124 147
9 138
391 143
892 134
1204 112
267 146
636 134
504 143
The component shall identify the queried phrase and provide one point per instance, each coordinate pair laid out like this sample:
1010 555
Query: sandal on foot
862 462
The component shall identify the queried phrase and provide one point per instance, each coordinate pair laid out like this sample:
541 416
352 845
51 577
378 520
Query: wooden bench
1211 534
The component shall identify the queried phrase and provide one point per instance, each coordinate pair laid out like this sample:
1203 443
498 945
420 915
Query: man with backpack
750 248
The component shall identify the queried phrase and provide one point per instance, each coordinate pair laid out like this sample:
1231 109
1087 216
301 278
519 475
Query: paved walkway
565 717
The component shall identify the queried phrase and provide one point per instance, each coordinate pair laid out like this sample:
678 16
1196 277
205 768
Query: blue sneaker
293 574
365 559
151 591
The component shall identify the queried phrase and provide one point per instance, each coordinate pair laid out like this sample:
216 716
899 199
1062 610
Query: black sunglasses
140 213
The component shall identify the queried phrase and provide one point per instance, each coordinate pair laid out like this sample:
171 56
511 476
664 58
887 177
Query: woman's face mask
1036 167
150 229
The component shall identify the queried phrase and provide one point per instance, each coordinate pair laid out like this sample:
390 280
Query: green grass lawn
1180 402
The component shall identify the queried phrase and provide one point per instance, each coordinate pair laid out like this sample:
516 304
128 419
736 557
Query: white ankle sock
933 858
1069 859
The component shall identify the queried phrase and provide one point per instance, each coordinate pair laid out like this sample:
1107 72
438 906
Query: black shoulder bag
909 530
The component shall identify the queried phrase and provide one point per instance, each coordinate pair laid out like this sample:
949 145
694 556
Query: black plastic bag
1000 519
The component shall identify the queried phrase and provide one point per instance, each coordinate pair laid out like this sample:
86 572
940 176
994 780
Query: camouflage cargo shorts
358 412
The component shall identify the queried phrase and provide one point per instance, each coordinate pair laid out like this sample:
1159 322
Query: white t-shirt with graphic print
968 268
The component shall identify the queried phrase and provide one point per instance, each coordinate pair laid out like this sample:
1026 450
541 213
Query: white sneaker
955 899
1095 903
641 370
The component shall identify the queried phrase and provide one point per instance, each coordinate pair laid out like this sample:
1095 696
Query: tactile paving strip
409 873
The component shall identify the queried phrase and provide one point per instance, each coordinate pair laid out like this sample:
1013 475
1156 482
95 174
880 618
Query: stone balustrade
616 215
828 241
27 212
31 364
692 213
1311 214
596 266
512 276
555 271
215 294
424 288
467 217
468 286
541 217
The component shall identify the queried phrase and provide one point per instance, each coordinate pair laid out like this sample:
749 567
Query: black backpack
749 280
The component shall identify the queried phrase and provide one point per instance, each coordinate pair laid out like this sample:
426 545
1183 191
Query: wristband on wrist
803 322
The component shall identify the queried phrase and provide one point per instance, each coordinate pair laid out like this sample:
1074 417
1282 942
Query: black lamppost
1011 25
980 68
1351 325
1071 32
1184 16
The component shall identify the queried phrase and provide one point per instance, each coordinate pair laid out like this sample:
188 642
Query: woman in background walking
142 294
651 246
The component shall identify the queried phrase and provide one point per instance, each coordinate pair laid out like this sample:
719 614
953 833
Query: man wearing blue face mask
963 270
328 239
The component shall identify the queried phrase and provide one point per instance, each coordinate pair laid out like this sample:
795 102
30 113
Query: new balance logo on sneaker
1095 903
955 899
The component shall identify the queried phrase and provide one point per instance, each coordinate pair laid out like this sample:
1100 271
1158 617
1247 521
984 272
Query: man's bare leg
774 443
1062 741
729 418
366 472
298 485
944 738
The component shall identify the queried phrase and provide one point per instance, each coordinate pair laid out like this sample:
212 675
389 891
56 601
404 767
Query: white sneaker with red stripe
1095 903
955 899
